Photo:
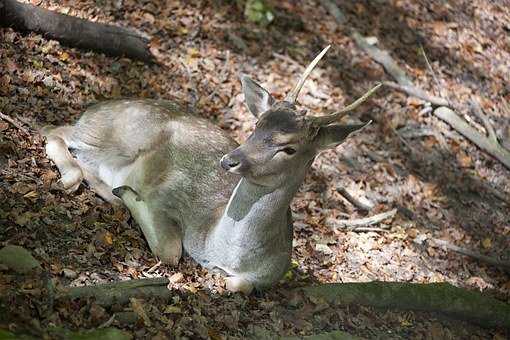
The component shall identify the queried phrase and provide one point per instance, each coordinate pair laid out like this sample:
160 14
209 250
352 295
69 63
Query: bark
485 143
75 32
437 297
119 292
434 297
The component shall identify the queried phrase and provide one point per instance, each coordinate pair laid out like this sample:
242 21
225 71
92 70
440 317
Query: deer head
285 140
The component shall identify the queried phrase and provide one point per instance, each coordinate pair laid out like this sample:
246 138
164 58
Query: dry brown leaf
139 309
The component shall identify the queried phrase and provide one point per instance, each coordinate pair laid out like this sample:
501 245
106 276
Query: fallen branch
14 123
445 111
364 206
491 133
434 297
75 32
489 144
333 9
418 93
483 142
382 57
361 222
482 258
119 292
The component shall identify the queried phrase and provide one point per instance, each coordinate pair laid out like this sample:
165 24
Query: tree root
435 297
119 292
75 32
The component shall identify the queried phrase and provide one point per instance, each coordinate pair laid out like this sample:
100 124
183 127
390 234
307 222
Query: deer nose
228 163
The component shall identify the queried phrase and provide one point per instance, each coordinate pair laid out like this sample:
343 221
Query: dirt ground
443 186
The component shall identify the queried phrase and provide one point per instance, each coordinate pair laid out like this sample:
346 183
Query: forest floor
442 186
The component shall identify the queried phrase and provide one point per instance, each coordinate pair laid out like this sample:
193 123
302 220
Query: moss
436 297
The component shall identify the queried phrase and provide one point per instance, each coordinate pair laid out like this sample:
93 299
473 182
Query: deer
191 188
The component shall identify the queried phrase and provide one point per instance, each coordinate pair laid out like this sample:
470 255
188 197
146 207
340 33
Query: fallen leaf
176 278
138 308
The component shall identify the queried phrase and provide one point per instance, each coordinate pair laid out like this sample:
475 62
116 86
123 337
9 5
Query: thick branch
76 32
335 12
477 110
467 252
418 93
382 57
483 142
435 297
119 292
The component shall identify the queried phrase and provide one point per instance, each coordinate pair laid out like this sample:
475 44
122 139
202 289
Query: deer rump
165 164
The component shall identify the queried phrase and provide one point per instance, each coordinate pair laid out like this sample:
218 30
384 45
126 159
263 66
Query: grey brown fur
163 163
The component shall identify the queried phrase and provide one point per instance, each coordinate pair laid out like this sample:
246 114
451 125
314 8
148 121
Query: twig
361 222
154 267
14 123
369 229
108 322
467 252
477 110
418 93
431 70
355 201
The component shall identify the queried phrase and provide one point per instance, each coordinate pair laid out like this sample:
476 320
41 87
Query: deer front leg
238 284
162 234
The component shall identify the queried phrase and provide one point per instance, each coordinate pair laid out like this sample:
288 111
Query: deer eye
289 151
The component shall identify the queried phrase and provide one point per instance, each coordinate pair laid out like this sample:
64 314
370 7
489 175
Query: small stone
323 248
69 273
176 278
371 40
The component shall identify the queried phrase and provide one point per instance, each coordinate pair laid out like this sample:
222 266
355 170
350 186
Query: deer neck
256 213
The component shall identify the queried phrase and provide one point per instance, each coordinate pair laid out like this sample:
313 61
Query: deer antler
293 94
325 120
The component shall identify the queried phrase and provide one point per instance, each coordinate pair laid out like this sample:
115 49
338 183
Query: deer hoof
237 284
71 179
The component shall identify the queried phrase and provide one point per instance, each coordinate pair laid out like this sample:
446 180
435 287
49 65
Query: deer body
165 164
177 181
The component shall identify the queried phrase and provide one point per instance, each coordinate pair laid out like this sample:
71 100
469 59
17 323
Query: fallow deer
165 164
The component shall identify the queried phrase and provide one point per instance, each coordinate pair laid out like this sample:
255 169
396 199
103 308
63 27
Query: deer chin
235 170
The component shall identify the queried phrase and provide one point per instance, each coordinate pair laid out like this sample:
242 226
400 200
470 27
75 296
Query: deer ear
330 136
257 98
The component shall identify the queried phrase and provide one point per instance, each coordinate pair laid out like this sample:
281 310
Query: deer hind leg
162 234
57 149
99 187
